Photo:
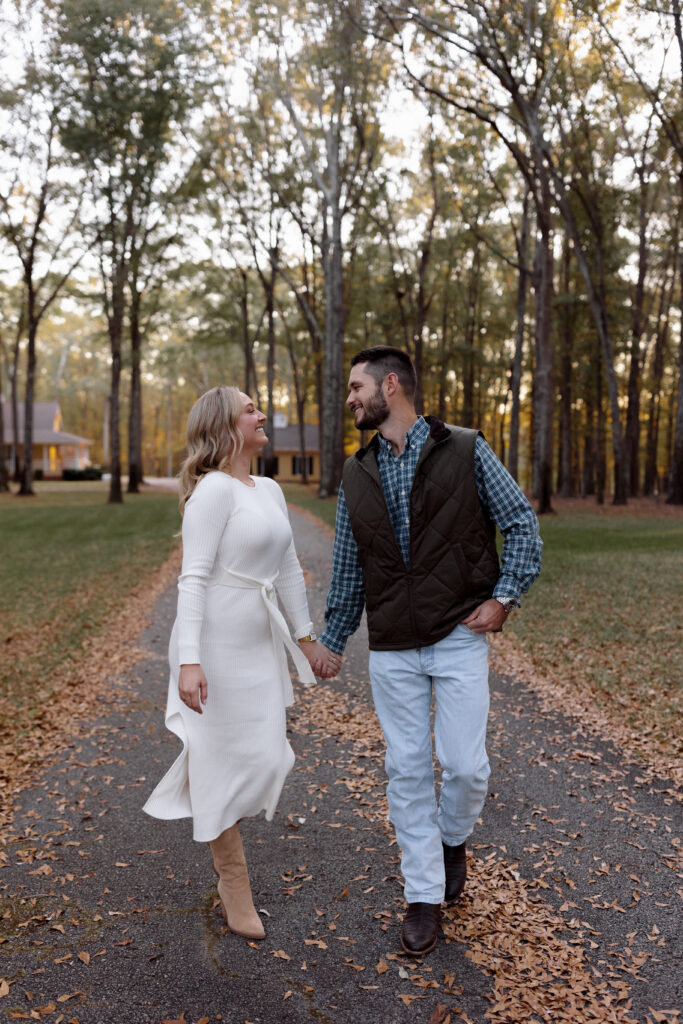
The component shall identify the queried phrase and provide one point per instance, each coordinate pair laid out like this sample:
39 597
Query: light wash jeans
456 670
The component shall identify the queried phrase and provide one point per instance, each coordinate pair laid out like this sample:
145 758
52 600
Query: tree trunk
675 489
250 381
420 322
14 397
467 415
4 475
588 468
300 403
632 433
135 411
115 324
444 348
599 438
26 487
565 482
268 453
543 272
651 482
518 357
332 416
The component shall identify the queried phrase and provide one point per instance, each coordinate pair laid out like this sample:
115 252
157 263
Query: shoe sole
418 952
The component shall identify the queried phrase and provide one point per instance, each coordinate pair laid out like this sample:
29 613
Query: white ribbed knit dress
237 544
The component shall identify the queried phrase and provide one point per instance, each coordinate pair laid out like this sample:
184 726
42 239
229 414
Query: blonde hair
212 437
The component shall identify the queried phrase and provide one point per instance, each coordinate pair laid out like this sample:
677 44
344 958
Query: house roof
45 416
286 439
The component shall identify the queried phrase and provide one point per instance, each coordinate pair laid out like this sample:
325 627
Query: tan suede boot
234 890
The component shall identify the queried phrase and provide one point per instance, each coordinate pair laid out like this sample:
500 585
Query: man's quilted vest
453 558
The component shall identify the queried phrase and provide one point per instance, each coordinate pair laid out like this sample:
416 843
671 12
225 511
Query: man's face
366 399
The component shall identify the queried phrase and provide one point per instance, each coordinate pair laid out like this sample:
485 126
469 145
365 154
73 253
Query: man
415 543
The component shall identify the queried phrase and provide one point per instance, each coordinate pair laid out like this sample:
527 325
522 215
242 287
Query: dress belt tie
278 625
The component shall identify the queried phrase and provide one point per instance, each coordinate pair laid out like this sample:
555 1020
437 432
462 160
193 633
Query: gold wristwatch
309 638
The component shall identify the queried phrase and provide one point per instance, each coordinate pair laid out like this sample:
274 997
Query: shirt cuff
332 643
505 588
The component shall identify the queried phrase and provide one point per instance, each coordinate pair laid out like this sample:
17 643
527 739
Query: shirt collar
417 435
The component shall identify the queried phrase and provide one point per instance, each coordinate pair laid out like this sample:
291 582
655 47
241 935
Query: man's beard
375 412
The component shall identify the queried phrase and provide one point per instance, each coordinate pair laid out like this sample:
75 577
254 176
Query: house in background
288 465
53 448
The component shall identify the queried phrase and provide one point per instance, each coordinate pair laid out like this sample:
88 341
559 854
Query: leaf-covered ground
601 634
570 913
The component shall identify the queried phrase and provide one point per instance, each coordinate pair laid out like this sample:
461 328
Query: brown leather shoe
420 928
455 863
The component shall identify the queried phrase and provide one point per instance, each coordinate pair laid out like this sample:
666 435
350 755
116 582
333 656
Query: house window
260 465
298 465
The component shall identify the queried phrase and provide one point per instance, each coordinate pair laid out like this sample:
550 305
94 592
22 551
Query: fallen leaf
280 954
84 958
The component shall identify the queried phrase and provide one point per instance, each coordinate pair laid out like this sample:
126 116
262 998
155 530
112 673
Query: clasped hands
324 662
193 687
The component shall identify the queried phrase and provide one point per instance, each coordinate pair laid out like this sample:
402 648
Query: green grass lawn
68 560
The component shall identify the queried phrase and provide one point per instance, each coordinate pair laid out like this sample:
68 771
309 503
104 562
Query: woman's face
250 422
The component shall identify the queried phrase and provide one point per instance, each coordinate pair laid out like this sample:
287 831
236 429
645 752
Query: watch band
309 638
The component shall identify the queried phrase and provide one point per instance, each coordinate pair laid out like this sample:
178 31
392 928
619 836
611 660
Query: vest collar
438 432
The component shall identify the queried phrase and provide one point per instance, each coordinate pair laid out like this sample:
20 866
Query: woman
229 681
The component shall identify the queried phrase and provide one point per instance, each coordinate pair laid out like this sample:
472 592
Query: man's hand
324 662
192 687
487 618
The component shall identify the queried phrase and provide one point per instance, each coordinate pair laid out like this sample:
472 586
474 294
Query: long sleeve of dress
206 515
290 585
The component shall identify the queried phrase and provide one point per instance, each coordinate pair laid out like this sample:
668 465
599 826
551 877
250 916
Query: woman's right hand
192 687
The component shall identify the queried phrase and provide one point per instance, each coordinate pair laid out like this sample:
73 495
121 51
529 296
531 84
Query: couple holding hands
415 544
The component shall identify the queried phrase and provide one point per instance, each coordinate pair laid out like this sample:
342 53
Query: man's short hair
383 359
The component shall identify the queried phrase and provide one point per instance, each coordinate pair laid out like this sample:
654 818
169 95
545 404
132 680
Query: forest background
194 192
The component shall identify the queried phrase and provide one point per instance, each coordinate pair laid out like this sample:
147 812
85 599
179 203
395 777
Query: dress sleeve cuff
189 655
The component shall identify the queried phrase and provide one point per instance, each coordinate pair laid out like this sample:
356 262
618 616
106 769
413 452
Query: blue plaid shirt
502 501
